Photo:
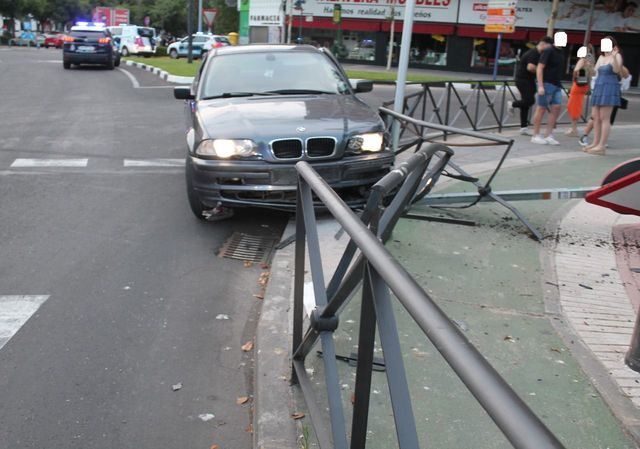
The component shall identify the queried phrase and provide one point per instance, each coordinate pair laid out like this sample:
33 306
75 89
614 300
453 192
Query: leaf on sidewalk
214 446
259 296
242 400
248 264
248 346
297 415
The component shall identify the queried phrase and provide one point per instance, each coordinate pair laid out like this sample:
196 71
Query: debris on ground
248 346
222 316
177 386
297 415
585 286
206 416
242 400
247 264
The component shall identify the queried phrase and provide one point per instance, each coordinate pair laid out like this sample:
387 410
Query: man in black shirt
548 76
526 82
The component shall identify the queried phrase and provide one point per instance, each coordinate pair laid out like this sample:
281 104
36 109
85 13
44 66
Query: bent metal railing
380 273
479 105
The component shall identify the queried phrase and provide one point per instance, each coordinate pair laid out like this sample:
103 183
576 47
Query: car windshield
223 40
289 72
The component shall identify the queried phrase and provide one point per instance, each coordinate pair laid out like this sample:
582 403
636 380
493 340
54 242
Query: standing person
548 77
526 83
606 95
582 74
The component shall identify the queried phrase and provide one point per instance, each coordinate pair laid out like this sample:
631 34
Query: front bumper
259 183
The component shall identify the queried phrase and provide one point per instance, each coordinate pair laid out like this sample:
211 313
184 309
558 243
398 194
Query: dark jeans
527 90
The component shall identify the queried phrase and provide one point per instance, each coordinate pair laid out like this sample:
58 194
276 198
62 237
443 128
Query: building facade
449 34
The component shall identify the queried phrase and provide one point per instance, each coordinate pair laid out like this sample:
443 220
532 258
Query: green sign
337 13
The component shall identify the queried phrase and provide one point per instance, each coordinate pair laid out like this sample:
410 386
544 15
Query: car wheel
66 65
111 64
173 54
194 199
117 63
124 52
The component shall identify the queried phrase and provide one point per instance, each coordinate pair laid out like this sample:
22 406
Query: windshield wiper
236 94
298 91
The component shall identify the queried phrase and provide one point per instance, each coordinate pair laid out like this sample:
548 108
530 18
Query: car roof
266 48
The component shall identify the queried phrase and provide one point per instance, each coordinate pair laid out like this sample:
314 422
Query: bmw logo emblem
301 129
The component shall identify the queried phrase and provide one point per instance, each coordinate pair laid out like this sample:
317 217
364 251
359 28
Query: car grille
287 148
320 146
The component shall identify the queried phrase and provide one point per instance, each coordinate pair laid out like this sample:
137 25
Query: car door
183 47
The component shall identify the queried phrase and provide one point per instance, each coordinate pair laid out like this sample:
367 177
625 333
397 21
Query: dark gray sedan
254 111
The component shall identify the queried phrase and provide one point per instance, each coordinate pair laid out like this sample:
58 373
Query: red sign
622 191
111 16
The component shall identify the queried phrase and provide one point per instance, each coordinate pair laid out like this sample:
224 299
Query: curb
273 427
163 74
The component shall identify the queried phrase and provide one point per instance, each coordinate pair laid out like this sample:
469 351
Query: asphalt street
115 289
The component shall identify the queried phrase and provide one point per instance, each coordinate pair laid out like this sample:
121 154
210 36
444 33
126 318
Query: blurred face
629 11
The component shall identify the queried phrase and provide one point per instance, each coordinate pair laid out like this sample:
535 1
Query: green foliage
226 19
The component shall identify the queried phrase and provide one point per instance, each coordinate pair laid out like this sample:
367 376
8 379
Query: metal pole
552 17
190 32
290 21
199 16
392 35
497 57
300 26
632 358
403 66
587 34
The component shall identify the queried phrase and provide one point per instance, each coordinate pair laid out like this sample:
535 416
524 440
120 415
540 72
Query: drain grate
254 248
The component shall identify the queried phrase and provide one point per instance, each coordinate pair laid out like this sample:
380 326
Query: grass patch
181 67
383 75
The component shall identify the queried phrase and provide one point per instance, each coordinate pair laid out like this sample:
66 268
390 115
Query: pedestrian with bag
526 83
582 74
606 93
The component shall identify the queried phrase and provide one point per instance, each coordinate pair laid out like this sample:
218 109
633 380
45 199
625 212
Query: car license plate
86 49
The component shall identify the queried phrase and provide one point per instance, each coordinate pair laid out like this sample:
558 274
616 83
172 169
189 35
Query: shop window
425 50
484 52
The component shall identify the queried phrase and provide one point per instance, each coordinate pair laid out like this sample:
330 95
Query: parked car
180 48
135 40
215 41
26 39
89 43
254 111
53 39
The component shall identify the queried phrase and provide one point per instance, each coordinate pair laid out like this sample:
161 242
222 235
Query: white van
134 40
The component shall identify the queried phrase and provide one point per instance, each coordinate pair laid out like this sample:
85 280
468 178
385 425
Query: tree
226 19
10 9
170 15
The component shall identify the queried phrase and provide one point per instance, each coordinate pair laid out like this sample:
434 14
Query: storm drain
254 248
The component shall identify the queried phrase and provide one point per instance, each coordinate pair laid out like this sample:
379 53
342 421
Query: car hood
266 118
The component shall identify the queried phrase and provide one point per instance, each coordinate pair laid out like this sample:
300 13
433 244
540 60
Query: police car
89 43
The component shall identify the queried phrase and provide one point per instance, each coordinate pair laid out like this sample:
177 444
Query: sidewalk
518 301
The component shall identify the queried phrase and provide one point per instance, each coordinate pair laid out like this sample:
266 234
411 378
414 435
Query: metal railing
479 105
380 274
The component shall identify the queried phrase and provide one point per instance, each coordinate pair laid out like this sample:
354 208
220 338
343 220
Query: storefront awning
478 31
422 28
573 37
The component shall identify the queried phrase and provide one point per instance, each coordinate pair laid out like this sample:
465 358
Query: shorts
552 96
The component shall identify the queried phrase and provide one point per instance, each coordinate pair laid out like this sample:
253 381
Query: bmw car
254 111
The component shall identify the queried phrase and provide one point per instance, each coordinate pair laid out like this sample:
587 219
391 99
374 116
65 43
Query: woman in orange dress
582 74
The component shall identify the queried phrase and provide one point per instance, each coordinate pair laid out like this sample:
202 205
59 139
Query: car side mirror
183 93
362 86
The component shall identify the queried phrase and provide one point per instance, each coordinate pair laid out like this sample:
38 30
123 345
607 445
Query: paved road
115 285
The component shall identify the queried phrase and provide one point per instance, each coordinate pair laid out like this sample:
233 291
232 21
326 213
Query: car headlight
228 148
369 142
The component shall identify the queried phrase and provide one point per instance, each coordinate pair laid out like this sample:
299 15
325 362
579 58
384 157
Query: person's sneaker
510 109
551 141
583 140
539 140
525 132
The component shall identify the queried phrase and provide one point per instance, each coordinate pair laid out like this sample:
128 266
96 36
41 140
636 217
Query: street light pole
300 25
587 34
199 16
392 33
190 31
403 66
552 18
289 25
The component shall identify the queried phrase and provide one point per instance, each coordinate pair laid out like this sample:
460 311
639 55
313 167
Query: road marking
134 81
24 163
154 162
15 310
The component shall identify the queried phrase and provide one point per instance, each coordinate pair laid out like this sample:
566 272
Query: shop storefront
449 34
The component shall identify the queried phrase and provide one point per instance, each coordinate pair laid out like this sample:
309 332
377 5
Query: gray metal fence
479 105
368 263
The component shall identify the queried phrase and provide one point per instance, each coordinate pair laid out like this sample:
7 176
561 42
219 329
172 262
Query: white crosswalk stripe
39 163
154 162
15 310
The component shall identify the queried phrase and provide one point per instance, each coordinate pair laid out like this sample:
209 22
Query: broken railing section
478 105
380 274
415 133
